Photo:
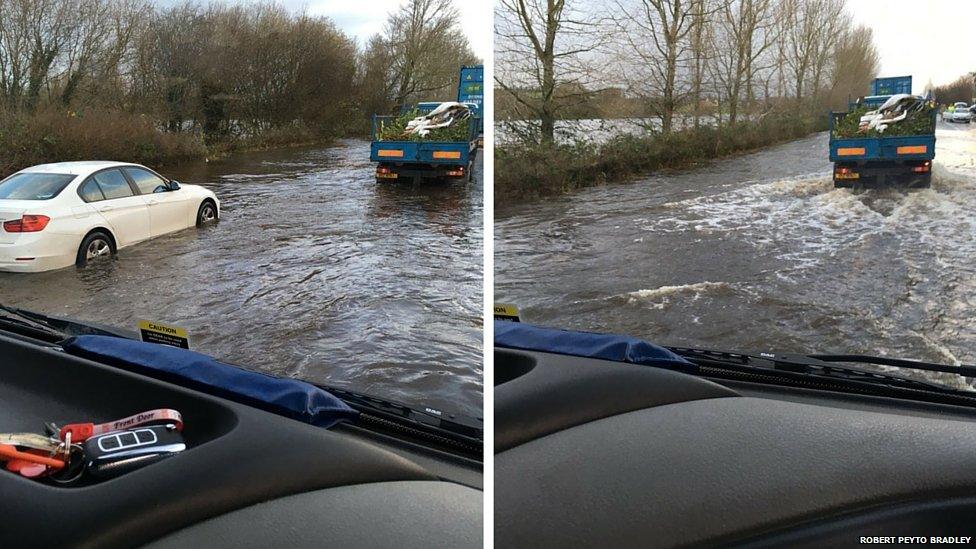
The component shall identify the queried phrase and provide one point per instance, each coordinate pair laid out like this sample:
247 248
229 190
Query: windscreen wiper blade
961 370
16 321
457 430
832 367
52 327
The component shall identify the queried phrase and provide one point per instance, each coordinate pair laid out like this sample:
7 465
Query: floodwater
315 271
758 253
592 130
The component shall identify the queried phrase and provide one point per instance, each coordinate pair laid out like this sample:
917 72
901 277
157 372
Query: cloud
929 40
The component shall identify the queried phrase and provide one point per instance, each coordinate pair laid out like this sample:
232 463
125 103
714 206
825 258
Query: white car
961 113
71 213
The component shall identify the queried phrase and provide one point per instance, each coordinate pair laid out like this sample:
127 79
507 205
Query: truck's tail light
924 168
27 224
382 169
843 170
456 173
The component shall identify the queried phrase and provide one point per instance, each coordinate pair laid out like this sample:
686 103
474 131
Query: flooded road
315 271
758 252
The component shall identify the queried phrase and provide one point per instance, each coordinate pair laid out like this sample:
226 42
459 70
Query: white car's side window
146 181
90 191
113 184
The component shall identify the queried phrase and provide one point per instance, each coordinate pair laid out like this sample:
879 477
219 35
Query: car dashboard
592 453
249 478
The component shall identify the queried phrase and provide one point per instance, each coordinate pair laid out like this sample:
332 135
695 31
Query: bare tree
834 23
33 34
656 33
426 49
701 53
855 64
540 57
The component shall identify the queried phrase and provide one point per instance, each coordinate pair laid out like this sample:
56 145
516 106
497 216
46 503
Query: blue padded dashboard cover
288 397
517 335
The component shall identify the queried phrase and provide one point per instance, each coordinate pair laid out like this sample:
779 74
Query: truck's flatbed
882 160
423 159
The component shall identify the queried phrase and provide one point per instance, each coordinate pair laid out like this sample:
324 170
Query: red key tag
78 431
81 432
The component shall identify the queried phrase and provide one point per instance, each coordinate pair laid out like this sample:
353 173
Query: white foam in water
805 221
659 298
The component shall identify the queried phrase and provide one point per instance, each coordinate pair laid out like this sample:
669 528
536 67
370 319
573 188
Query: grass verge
529 172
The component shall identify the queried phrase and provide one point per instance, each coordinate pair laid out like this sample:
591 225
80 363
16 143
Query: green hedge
526 172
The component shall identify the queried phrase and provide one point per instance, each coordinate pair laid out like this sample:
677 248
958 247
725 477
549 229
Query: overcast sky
364 18
927 39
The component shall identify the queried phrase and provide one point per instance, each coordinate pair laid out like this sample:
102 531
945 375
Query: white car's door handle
154 202
105 208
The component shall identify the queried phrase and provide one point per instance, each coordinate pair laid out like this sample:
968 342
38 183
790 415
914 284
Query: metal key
33 440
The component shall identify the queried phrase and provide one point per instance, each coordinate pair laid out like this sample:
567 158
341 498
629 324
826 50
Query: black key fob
119 452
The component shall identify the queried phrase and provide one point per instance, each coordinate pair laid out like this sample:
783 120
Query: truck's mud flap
886 182
908 175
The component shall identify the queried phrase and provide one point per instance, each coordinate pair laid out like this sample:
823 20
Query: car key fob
118 452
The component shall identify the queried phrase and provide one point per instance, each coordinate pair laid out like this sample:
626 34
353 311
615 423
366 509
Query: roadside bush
57 135
294 135
526 172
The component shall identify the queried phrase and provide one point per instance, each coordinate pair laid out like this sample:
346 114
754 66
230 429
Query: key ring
76 466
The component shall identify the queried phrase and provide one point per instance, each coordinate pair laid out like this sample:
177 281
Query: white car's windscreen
33 186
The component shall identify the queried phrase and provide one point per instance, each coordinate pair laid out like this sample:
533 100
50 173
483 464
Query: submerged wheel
96 247
207 213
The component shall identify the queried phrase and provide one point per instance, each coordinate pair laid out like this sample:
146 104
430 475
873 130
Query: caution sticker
154 332
508 313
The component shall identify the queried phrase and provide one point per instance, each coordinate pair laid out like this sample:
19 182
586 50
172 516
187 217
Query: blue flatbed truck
884 160
416 160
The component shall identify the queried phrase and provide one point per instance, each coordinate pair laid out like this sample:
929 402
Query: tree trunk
548 118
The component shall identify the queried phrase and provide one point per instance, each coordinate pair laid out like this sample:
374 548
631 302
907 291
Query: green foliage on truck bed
395 129
917 123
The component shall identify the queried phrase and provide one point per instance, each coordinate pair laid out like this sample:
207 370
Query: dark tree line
961 89
223 70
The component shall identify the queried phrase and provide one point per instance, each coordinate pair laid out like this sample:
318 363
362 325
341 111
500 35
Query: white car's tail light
27 224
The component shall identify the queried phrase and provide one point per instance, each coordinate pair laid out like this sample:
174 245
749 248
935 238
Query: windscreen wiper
453 431
20 322
830 371
47 328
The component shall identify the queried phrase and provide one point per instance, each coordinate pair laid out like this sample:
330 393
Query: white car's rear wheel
96 247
